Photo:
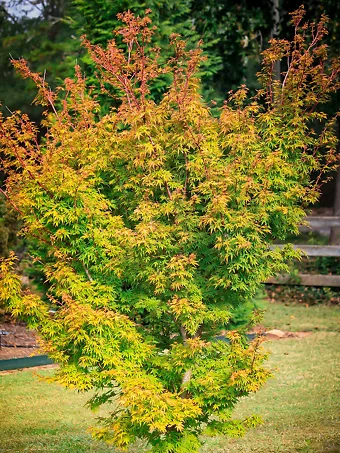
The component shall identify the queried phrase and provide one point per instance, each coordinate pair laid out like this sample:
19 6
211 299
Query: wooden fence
314 223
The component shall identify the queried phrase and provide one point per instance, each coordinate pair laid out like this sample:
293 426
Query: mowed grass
300 317
300 406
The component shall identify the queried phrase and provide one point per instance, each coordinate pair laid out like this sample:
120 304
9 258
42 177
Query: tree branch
186 173
184 335
10 16
87 273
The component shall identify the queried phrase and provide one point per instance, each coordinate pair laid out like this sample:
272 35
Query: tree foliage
231 35
46 33
152 222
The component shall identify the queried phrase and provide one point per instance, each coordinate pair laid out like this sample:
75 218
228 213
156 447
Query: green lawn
300 406
299 317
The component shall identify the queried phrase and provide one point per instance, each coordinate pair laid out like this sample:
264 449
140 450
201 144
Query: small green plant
153 222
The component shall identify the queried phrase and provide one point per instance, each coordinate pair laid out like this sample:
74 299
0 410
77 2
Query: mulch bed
18 341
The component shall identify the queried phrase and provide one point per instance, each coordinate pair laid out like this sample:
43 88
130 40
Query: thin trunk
186 378
187 375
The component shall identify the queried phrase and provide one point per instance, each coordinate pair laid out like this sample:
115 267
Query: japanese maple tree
153 222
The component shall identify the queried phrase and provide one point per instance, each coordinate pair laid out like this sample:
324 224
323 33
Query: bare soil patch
277 334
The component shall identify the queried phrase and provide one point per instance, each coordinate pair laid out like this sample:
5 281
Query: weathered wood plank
306 280
323 221
314 250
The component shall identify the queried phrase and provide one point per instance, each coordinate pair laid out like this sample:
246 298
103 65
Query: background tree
154 221
38 32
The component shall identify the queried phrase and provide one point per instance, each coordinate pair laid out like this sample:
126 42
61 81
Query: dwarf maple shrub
152 222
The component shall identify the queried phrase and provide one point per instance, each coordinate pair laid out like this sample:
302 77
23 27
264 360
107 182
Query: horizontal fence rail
319 222
306 280
313 250
312 223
